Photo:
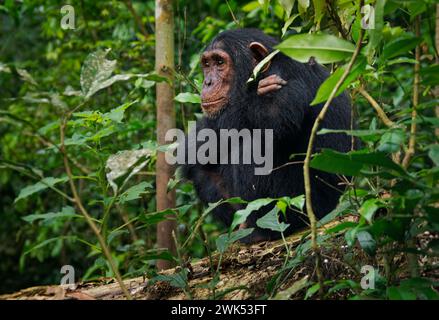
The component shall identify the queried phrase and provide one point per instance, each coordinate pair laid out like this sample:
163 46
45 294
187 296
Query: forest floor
246 272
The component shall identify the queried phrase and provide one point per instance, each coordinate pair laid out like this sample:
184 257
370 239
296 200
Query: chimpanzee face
218 76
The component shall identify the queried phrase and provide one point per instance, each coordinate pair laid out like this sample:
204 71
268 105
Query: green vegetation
78 144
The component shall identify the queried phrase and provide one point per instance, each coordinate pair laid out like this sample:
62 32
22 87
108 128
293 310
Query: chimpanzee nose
208 82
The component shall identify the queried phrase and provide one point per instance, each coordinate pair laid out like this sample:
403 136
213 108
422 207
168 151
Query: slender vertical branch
412 258
306 165
436 90
86 215
412 141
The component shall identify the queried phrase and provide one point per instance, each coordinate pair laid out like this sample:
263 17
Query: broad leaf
324 47
39 186
225 240
135 192
66 212
188 97
271 221
241 215
326 87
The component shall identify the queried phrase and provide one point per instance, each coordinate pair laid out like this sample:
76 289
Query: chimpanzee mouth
208 104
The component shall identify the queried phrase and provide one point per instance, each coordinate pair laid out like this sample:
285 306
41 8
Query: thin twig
141 27
412 258
380 112
412 141
231 12
306 166
86 215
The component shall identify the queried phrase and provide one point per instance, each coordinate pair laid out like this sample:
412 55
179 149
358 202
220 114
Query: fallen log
245 272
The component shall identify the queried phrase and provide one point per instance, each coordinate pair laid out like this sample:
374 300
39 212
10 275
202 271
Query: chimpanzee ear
259 52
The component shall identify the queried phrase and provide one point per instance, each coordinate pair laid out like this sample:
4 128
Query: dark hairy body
280 100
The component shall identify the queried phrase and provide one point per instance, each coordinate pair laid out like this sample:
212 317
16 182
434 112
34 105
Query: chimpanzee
280 100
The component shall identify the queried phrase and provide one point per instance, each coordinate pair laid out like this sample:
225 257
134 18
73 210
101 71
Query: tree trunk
164 54
437 60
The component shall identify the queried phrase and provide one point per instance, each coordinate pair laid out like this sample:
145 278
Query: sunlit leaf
188 97
324 48
135 192
241 215
271 221
328 85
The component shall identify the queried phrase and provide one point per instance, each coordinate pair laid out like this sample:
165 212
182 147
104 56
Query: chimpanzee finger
268 89
273 79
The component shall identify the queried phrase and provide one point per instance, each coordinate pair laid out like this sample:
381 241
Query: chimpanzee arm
282 97
282 110
207 182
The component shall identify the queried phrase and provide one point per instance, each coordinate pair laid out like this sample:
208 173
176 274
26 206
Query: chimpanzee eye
206 63
220 61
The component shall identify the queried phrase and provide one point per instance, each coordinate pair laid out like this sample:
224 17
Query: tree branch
306 166
380 112
412 141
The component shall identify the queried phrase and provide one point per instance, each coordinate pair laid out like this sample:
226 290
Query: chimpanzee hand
270 84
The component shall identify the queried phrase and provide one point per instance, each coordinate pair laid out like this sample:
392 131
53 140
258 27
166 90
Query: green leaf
298 202
369 207
324 47
395 293
271 221
430 75
39 186
177 280
366 242
155 217
341 227
303 5
188 97
225 240
312 290
433 153
66 212
328 85
253 5
365 135
294 288
135 192
49 241
26 76
117 114
288 23
287 5
261 65
352 162
376 34
391 141
399 47
319 11
241 215
335 162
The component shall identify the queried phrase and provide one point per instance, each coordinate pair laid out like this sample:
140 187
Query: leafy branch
306 166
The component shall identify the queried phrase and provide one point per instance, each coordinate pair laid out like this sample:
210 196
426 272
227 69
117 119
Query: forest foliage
85 97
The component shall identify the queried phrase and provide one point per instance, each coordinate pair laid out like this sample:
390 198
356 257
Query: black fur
289 114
